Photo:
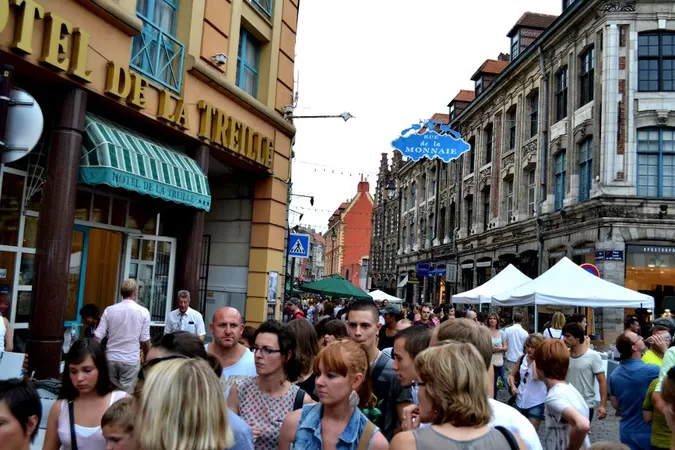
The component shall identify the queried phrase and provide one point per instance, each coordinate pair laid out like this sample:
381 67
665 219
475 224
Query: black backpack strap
510 438
381 363
73 436
299 399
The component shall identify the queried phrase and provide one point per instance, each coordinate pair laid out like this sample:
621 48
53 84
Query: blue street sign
298 245
431 139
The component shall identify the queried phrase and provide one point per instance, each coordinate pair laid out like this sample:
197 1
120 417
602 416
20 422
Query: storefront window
555 255
7 264
584 254
26 269
30 231
651 269
119 212
11 197
101 209
467 278
82 205
74 275
483 271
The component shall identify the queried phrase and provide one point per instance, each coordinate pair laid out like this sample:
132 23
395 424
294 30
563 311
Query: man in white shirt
468 331
185 318
237 360
515 338
126 324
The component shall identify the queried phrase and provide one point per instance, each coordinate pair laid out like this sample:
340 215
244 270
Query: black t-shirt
384 341
309 386
389 393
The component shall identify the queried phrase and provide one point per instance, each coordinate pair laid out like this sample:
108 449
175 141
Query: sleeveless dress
264 412
88 438
428 438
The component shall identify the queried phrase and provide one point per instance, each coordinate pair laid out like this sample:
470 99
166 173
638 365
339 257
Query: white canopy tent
379 296
507 279
567 284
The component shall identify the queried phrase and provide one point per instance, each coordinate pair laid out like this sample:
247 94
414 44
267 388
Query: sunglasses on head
152 362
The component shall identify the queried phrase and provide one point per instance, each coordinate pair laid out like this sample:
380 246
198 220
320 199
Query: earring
353 399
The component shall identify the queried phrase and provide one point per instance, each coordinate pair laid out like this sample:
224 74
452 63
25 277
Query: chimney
504 57
363 186
396 161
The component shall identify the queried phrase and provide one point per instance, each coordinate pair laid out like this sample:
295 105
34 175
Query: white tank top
3 332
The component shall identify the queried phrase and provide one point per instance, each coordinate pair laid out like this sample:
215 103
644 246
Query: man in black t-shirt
391 314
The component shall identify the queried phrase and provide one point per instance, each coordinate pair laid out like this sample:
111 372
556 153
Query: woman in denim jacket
343 385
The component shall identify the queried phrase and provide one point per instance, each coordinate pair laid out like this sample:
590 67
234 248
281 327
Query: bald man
237 360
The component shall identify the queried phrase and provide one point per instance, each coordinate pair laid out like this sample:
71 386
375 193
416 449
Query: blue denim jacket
308 434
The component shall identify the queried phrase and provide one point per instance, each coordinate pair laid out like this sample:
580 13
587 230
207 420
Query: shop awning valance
121 158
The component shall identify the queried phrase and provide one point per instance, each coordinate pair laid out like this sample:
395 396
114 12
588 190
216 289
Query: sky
390 65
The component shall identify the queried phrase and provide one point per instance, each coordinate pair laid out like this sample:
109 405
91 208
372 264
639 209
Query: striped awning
121 158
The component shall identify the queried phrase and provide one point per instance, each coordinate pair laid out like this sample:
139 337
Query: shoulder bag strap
366 436
549 332
379 366
71 417
299 399
510 438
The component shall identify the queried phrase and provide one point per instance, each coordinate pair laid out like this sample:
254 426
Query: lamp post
333 237
390 189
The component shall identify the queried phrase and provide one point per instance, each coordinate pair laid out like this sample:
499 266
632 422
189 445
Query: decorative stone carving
487 172
530 148
509 159
411 219
662 117
618 6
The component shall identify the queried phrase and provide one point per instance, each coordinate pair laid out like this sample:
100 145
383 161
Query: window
567 3
469 214
403 239
509 200
248 63
452 110
656 162
486 208
155 52
489 137
515 46
534 113
561 95
404 196
586 77
479 86
656 62
441 224
264 5
453 220
412 235
472 154
423 188
413 195
512 128
559 169
585 169
531 193
432 222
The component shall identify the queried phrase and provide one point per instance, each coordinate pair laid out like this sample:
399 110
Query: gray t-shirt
558 398
389 393
581 374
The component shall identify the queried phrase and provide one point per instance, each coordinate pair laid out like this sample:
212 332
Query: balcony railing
264 5
158 56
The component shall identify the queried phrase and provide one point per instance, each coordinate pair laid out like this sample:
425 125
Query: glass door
76 275
151 261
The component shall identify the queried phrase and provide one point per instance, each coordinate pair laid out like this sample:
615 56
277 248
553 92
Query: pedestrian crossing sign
298 245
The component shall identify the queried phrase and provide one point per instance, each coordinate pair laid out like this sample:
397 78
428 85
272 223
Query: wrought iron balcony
158 55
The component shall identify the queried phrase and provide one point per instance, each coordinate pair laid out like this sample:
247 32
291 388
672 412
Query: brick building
348 237
573 146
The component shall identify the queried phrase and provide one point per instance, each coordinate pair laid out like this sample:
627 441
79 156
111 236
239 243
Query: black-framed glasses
152 362
266 351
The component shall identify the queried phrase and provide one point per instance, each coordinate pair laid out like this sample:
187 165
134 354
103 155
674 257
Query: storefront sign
64 47
431 139
609 255
650 249
582 251
423 269
412 278
227 132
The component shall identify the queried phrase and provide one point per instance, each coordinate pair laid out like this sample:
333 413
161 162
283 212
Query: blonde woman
186 392
557 323
530 393
455 400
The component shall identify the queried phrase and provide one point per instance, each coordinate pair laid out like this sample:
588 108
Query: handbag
71 417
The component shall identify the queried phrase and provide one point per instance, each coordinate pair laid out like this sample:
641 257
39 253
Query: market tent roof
507 279
379 296
122 158
335 286
567 284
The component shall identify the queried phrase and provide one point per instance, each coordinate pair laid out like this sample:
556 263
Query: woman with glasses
181 407
499 347
182 344
74 421
530 393
265 400
341 370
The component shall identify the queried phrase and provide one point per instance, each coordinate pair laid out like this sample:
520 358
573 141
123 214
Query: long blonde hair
182 406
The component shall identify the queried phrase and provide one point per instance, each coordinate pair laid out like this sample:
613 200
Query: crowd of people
351 376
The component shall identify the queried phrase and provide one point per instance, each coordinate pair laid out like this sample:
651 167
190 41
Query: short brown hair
553 358
470 332
128 288
121 414
457 395
624 345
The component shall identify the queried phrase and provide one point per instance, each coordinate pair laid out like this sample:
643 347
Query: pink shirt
127 324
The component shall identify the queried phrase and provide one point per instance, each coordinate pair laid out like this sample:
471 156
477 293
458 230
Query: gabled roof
532 20
441 117
491 66
464 96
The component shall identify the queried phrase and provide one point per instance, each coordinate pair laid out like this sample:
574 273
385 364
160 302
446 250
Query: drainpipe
544 156
5 88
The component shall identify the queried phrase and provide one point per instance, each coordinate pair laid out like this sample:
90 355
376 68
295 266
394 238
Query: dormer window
479 86
452 110
515 46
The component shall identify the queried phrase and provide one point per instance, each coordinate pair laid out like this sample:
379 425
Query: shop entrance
151 261
92 271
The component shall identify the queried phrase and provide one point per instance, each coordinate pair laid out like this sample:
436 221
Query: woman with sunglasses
265 400
530 393
74 421
183 345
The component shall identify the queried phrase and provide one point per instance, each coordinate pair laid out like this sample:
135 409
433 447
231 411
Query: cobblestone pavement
601 430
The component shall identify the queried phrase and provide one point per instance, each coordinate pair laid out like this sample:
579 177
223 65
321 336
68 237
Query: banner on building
431 139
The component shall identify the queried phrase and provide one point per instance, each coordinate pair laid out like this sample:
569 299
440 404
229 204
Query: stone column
55 235
187 271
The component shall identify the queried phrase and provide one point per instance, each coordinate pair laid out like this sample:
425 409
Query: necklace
376 357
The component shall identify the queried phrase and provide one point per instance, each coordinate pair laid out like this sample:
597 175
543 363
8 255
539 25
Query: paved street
601 430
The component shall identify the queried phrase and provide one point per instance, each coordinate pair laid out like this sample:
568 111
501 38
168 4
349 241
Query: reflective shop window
7 266
11 197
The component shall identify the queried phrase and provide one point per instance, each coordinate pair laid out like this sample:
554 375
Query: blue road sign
298 245
431 139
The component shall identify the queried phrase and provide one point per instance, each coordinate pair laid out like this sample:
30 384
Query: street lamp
391 189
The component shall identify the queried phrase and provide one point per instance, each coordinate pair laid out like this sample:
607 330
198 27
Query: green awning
121 158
